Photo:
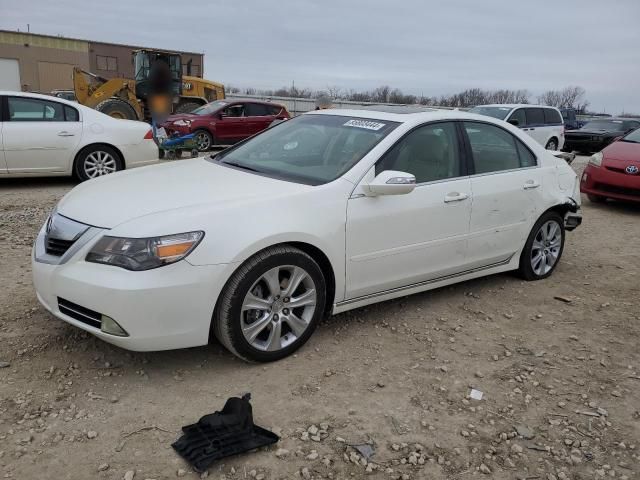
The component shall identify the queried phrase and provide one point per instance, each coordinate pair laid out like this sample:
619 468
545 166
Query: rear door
535 124
506 188
554 129
40 135
259 117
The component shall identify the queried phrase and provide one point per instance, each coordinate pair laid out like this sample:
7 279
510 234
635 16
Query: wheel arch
97 144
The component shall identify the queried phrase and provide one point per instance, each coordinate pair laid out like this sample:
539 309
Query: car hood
592 132
627 151
120 197
181 116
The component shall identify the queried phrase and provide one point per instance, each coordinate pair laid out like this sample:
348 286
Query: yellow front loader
127 98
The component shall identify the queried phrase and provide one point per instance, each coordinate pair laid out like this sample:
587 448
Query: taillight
149 135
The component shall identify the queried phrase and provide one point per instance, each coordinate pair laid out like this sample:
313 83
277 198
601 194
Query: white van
543 123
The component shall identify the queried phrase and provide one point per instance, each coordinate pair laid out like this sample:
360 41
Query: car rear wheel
96 161
271 305
543 248
596 198
204 140
552 144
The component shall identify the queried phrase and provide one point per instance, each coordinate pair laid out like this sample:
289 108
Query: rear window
535 116
552 117
495 112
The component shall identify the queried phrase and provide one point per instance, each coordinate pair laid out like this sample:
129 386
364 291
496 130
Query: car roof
41 96
250 100
408 118
516 105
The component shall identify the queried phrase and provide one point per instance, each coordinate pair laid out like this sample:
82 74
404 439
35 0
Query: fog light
110 326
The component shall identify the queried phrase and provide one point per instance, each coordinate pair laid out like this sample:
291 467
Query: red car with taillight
224 122
615 171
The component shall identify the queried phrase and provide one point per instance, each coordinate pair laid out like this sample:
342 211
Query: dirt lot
565 374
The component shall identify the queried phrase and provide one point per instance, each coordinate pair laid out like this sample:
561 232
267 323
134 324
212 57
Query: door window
551 117
276 110
234 111
71 114
257 110
535 116
430 153
34 110
519 116
495 149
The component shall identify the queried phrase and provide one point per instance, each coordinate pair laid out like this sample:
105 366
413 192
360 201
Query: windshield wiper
239 165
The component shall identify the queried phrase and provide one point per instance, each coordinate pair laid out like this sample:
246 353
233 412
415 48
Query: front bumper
603 182
580 145
164 308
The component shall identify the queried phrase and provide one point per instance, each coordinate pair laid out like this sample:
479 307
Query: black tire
596 198
227 317
204 140
552 144
89 155
526 270
187 107
116 108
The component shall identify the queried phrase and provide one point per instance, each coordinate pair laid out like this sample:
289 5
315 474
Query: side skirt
510 263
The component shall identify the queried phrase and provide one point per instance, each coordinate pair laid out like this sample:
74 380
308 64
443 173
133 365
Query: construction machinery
128 98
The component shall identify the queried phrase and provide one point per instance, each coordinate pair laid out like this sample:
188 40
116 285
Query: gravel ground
557 361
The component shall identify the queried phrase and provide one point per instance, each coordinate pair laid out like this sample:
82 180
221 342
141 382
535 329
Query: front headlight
182 123
596 159
144 253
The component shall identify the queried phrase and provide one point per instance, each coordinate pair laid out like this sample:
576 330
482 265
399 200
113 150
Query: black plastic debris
222 434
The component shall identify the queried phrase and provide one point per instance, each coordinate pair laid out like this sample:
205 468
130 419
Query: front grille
80 313
632 192
57 247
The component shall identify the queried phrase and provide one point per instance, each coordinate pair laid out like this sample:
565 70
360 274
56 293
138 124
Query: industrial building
42 63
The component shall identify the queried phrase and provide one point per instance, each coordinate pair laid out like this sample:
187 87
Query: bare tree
568 97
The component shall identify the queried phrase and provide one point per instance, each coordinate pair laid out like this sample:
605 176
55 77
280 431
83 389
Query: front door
535 125
507 188
232 125
36 136
397 241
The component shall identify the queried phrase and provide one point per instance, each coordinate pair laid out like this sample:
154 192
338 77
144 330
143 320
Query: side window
429 152
275 109
71 114
34 110
551 117
257 110
527 159
535 116
519 116
493 148
234 111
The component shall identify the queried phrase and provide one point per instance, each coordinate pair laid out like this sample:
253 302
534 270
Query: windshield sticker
369 125
291 146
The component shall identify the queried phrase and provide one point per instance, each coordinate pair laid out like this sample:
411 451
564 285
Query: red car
615 171
224 122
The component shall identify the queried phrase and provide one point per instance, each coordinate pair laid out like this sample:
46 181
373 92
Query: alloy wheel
203 141
278 308
99 163
545 249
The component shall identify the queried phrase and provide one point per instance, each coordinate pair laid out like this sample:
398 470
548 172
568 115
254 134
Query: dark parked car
224 122
597 134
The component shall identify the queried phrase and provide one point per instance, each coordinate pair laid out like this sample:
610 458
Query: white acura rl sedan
323 213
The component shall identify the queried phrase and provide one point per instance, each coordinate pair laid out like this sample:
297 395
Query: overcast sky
420 46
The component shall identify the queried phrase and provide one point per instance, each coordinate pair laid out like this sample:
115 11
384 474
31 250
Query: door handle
529 184
532 128
66 134
455 197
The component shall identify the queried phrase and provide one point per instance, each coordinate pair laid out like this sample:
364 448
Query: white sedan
42 135
323 213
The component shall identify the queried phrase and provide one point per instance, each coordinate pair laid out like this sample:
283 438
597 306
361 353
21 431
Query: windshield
311 149
495 112
609 125
633 137
209 108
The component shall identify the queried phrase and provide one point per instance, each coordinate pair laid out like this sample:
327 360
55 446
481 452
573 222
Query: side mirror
390 182
514 122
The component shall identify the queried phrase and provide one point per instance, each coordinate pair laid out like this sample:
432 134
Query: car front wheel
271 305
544 247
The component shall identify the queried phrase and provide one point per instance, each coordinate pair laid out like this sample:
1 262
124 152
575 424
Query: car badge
632 170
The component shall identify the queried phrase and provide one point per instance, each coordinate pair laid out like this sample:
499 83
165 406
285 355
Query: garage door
9 74
55 76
